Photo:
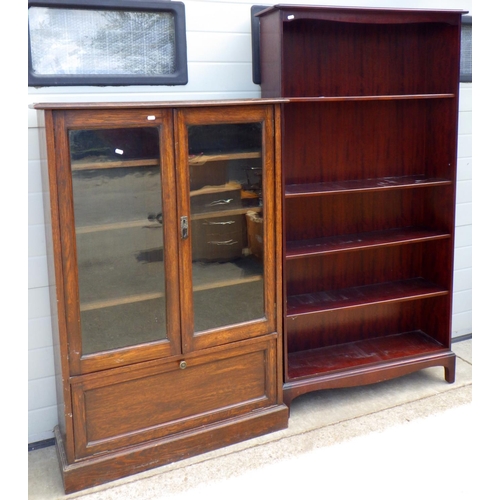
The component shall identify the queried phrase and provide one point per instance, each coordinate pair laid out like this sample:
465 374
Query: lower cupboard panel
152 400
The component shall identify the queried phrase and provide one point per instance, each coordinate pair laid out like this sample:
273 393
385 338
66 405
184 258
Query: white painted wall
219 66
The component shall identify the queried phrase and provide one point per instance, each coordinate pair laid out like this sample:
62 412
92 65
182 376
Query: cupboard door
162 398
225 163
119 308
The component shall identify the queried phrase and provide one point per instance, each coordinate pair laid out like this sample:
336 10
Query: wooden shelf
207 276
145 223
116 225
363 185
130 299
397 291
343 243
225 213
369 98
362 352
105 164
85 164
202 158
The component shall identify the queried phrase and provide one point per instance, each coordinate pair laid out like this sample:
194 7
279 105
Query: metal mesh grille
86 42
466 53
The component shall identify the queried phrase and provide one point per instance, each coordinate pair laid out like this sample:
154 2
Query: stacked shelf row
367 231
369 148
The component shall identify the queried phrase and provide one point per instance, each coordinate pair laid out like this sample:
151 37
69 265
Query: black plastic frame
179 77
255 31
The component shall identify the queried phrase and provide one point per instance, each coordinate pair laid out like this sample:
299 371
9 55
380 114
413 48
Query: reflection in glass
225 164
101 42
117 199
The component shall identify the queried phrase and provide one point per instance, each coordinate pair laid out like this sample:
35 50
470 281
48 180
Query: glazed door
118 237
225 160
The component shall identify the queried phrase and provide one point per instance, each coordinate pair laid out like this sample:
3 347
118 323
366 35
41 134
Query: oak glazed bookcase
167 273
369 140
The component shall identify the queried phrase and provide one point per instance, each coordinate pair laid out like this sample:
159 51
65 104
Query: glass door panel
118 218
227 220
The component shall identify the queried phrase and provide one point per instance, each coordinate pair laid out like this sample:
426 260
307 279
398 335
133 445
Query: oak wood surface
201 116
154 399
117 464
127 105
131 406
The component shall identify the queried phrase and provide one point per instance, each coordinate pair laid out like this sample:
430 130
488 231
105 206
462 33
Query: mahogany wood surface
373 60
401 139
396 291
372 373
370 320
371 266
360 241
369 170
358 213
390 97
372 51
361 352
364 14
365 185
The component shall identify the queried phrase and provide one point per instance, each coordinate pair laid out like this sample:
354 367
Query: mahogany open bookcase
369 139
213 260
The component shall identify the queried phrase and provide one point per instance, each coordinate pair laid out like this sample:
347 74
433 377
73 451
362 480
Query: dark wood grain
362 352
371 15
361 241
369 171
391 97
345 325
313 217
318 302
377 184
372 51
370 266
399 138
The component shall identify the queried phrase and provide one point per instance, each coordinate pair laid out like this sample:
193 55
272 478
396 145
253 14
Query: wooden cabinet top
154 104
364 14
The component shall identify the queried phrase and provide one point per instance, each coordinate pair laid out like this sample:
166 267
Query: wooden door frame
66 234
226 115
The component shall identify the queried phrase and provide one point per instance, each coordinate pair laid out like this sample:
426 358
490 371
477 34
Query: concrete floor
397 439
